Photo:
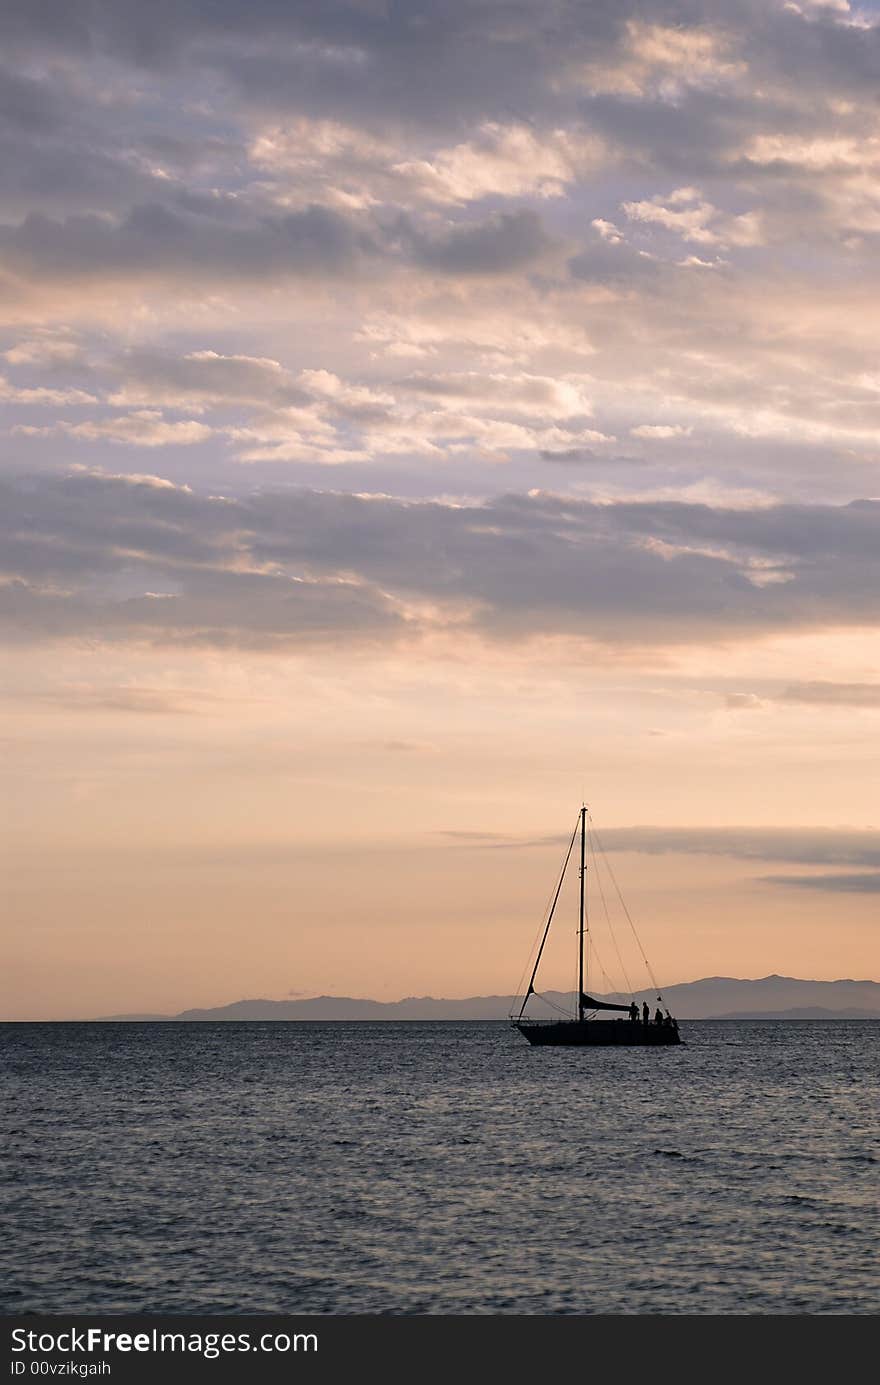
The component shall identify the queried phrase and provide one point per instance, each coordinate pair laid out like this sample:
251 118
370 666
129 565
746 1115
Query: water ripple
438 1168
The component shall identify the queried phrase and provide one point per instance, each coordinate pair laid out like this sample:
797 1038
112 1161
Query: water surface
439 1168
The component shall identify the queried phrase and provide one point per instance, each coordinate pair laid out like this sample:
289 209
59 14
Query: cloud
520 393
660 430
117 559
451 70
202 378
802 846
315 415
812 694
568 456
226 242
503 160
606 260
607 230
157 240
856 883
17 394
213 610
48 349
84 553
742 702
824 694
143 428
693 219
191 185
342 165
500 244
450 413
666 58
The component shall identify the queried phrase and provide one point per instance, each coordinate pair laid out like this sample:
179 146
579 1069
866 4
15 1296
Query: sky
418 419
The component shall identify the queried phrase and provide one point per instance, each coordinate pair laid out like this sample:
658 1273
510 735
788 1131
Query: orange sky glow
407 440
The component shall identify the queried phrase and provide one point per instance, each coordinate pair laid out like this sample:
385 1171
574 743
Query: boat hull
588 1033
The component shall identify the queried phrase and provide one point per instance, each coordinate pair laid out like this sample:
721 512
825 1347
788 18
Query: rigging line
609 983
551 1003
549 919
524 972
598 879
625 910
534 947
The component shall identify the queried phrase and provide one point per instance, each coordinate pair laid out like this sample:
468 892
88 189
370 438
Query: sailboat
583 1028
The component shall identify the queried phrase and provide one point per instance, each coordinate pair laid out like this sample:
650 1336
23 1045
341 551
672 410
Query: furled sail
590 1004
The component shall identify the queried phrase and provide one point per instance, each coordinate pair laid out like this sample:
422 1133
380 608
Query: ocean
439 1168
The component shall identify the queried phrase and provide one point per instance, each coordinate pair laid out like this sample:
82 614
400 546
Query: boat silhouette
582 1028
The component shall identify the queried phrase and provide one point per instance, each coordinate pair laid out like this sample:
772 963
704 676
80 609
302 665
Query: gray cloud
625 69
203 378
68 145
216 609
833 694
85 551
833 884
448 64
614 572
568 456
28 106
507 241
810 694
800 846
602 262
204 239
156 239
140 142
432 62
141 561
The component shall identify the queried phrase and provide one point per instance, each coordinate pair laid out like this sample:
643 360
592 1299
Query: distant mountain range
713 997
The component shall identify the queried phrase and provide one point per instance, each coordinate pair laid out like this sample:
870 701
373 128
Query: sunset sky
417 418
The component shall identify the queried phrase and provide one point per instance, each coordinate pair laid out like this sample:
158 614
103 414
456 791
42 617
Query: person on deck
646 1013
658 1016
634 1013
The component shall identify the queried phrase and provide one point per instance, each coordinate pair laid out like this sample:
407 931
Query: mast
580 1010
